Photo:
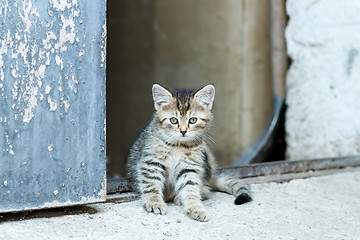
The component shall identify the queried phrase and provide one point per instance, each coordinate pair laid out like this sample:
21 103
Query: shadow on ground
46 213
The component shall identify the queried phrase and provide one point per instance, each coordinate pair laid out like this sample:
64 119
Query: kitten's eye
173 120
193 120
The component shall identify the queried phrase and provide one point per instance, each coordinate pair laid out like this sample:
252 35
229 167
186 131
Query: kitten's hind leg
205 192
233 186
205 195
177 201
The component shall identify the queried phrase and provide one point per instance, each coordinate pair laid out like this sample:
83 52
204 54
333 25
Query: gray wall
186 43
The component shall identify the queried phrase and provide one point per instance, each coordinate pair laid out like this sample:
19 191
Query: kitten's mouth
183 137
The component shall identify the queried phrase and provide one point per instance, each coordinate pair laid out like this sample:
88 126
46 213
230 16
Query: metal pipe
261 148
279 60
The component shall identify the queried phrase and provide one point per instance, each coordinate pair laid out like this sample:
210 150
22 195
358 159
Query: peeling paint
47 90
24 50
83 200
61 5
50 148
104 36
46 49
10 147
52 104
11 152
40 73
31 101
74 79
46 42
59 61
66 36
27 9
82 52
66 106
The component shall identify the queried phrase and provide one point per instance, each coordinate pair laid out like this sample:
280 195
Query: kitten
171 160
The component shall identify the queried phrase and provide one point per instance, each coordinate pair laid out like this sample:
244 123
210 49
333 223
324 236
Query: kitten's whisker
210 133
198 139
168 138
208 138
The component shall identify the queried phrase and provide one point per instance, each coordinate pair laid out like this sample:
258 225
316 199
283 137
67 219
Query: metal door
52 103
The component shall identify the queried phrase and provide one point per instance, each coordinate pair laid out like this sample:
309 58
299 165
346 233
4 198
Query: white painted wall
323 82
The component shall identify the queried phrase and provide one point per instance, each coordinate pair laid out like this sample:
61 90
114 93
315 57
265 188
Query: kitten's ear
161 96
206 96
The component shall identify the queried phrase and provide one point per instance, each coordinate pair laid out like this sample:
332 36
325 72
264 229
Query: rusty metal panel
291 167
119 189
270 170
52 103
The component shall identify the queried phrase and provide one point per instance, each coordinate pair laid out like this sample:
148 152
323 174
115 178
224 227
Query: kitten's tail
236 187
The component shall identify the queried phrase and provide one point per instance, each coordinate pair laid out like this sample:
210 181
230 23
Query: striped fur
171 160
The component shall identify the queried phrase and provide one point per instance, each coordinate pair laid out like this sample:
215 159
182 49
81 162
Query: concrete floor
325 207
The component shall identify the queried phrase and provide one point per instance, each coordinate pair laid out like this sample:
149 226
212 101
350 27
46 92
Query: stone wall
323 82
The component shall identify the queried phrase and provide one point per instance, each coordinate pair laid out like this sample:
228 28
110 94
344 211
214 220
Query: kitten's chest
179 159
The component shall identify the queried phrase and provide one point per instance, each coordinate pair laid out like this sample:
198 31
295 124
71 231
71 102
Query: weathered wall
323 116
52 103
186 43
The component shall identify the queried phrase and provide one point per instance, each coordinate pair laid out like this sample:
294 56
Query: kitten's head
183 115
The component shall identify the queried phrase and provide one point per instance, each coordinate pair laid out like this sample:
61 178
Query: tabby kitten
171 160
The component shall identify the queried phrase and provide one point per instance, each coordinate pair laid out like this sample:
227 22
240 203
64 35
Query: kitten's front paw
156 208
198 215
177 201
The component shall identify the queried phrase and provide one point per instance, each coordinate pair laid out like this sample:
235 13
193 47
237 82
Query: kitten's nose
183 132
